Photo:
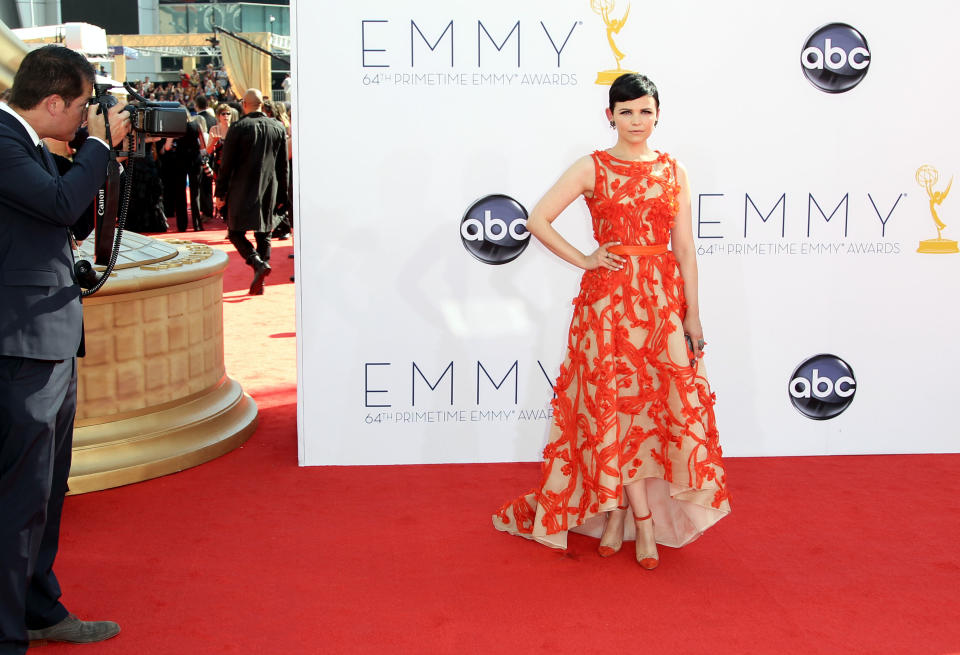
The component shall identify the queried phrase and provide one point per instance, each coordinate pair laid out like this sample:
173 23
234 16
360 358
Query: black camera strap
111 205
108 204
110 215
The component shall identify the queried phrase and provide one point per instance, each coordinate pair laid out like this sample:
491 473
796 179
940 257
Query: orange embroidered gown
629 408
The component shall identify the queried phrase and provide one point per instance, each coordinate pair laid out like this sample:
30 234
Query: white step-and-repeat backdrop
821 138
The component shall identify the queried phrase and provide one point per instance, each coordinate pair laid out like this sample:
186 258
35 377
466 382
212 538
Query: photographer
41 332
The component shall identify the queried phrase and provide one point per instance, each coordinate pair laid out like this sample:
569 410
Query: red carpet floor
251 554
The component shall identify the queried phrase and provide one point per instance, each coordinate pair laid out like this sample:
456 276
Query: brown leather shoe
75 631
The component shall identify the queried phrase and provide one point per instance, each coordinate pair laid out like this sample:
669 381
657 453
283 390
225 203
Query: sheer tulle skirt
629 409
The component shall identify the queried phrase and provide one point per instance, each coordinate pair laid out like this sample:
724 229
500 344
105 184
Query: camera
149 118
153 118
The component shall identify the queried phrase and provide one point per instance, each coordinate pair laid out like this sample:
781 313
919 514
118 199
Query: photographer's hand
119 123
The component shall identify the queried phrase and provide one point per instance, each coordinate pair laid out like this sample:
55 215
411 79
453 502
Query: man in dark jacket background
251 183
179 162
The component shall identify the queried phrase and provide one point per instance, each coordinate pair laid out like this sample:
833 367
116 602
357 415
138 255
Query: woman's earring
655 123
613 125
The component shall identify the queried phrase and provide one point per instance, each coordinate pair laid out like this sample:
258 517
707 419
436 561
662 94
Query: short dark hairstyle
631 86
201 102
50 70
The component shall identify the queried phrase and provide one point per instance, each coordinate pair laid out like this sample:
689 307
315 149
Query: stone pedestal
153 395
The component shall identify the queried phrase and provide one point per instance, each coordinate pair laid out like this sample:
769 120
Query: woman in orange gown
633 423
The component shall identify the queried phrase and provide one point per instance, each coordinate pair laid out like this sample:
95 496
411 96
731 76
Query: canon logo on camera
494 229
822 387
835 58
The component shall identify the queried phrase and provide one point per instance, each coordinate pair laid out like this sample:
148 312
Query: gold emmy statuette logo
927 176
604 7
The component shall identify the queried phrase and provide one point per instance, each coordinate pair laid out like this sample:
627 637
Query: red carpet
251 554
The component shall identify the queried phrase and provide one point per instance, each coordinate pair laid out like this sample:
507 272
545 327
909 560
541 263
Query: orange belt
657 249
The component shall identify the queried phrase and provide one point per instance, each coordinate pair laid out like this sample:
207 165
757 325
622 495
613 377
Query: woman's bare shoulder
583 171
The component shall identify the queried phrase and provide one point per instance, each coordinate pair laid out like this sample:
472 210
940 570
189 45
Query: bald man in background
251 184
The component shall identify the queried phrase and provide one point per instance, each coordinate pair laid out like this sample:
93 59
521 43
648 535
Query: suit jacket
87 221
253 172
41 316
187 147
208 117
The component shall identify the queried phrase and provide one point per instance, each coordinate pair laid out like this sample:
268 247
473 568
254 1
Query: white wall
387 166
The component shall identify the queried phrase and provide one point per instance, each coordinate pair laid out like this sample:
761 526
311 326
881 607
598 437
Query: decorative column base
153 395
162 442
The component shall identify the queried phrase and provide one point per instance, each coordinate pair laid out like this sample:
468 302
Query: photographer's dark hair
631 86
201 102
50 70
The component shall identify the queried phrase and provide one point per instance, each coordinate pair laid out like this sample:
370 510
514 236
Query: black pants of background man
38 402
175 195
239 240
205 196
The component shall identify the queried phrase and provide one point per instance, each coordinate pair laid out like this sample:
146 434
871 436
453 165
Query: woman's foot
646 543
612 537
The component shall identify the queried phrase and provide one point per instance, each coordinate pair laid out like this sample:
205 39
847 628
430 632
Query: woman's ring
701 343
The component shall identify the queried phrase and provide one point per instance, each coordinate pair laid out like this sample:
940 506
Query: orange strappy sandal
611 546
645 560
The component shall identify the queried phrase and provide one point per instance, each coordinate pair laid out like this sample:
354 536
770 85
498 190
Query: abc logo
835 58
822 387
494 229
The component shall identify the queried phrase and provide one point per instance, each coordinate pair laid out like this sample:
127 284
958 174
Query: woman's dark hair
631 86
51 70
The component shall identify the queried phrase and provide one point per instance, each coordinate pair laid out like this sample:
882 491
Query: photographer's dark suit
40 334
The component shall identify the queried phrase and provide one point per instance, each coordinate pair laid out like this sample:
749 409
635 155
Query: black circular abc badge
494 229
835 58
822 387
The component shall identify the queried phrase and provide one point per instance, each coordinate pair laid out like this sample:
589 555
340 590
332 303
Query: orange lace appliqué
628 404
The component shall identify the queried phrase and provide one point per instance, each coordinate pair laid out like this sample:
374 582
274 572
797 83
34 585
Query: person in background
209 88
251 184
205 194
145 212
180 160
217 133
278 111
